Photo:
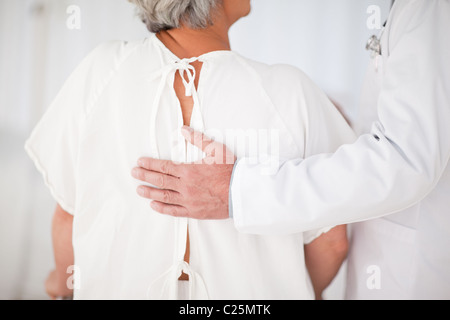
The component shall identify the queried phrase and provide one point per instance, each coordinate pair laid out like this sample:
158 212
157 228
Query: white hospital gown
120 105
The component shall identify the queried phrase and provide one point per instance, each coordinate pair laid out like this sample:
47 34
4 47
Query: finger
160 180
197 138
166 196
162 166
171 210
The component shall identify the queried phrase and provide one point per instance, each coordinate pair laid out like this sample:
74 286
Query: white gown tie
166 285
188 75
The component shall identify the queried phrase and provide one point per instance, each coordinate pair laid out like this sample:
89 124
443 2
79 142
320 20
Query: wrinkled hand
197 190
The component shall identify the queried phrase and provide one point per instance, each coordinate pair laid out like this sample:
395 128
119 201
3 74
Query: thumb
197 139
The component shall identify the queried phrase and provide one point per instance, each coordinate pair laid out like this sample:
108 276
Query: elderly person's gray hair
161 15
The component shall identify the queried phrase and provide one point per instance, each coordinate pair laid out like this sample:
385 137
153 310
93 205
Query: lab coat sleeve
53 144
388 170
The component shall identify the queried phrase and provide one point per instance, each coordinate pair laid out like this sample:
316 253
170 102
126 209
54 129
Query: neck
185 42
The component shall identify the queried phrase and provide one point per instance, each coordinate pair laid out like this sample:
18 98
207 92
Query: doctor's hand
196 190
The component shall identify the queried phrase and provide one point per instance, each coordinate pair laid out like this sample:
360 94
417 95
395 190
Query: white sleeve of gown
53 144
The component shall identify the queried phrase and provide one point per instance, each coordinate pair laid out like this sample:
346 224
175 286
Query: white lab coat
397 173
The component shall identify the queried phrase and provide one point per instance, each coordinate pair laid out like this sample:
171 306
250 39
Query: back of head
161 15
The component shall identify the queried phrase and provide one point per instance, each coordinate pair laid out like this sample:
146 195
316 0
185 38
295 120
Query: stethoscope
374 43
